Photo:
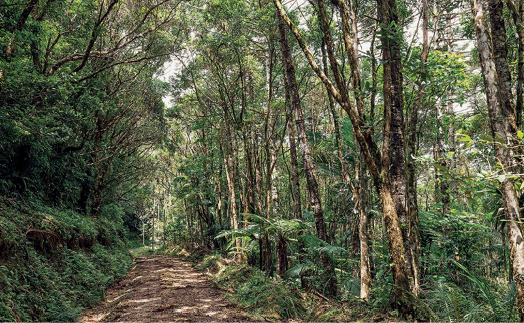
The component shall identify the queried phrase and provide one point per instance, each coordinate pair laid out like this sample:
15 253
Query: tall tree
501 130
312 184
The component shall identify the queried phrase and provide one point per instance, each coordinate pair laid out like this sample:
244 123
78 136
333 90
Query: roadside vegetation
55 263
333 160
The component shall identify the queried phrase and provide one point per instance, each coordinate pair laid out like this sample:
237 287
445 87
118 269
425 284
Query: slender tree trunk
394 119
295 186
441 183
164 221
517 13
219 196
229 167
372 158
250 175
269 124
354 26
153 226
500 57
336 121
294 166
450 114
499 128
412 151
359 195
373 79
281 254
312 184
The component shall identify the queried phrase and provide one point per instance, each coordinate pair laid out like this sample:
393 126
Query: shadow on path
161 288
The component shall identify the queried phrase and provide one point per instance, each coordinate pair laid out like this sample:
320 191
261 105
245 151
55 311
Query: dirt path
161 288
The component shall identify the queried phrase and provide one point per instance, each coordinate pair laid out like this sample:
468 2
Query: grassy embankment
55 262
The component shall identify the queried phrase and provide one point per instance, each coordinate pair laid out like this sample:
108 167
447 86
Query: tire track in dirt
160 289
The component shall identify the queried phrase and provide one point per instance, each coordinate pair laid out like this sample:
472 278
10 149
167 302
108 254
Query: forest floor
161 288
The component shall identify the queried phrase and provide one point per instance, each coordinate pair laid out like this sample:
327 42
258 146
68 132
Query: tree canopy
356 149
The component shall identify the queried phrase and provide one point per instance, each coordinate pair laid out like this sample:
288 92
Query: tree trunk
281 254
516 13
219 196
164 221
229 167
295 185
394 123
412 151
499 128
441 183
153 226
359 195
372 158
294 164
312 184
500 53
143 233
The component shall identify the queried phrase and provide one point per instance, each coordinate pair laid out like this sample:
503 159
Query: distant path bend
159 289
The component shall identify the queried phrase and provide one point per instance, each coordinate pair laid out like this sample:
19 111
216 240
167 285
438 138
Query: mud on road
159 289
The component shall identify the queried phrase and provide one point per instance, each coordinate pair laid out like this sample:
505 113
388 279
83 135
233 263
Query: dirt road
161 288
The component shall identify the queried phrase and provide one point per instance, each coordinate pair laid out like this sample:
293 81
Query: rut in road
160 288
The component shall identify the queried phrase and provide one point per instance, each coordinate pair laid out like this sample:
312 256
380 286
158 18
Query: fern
488 296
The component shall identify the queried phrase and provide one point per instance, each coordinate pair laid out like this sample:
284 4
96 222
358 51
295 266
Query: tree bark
294 165
411 151
499 128
312 184
441 183
516 13
359 195
500 53
372 158
394 122
295 186
219 196
229 168
281 254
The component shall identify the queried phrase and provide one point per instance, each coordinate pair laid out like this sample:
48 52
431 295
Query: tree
501 130
375 162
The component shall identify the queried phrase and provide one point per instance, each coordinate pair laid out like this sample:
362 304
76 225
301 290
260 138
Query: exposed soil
160 289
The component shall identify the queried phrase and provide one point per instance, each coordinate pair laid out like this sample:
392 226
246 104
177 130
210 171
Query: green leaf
256 218
520 134
465 138
296 271
310 241
501 178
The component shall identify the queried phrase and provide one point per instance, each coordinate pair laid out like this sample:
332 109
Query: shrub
55 267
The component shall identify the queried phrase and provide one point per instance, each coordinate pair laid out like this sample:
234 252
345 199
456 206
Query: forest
317 160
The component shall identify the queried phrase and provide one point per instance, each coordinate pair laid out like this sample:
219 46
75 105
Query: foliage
268 299
58 263
90 155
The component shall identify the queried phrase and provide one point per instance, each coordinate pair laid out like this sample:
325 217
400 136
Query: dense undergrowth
273 298
54 262
282 299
